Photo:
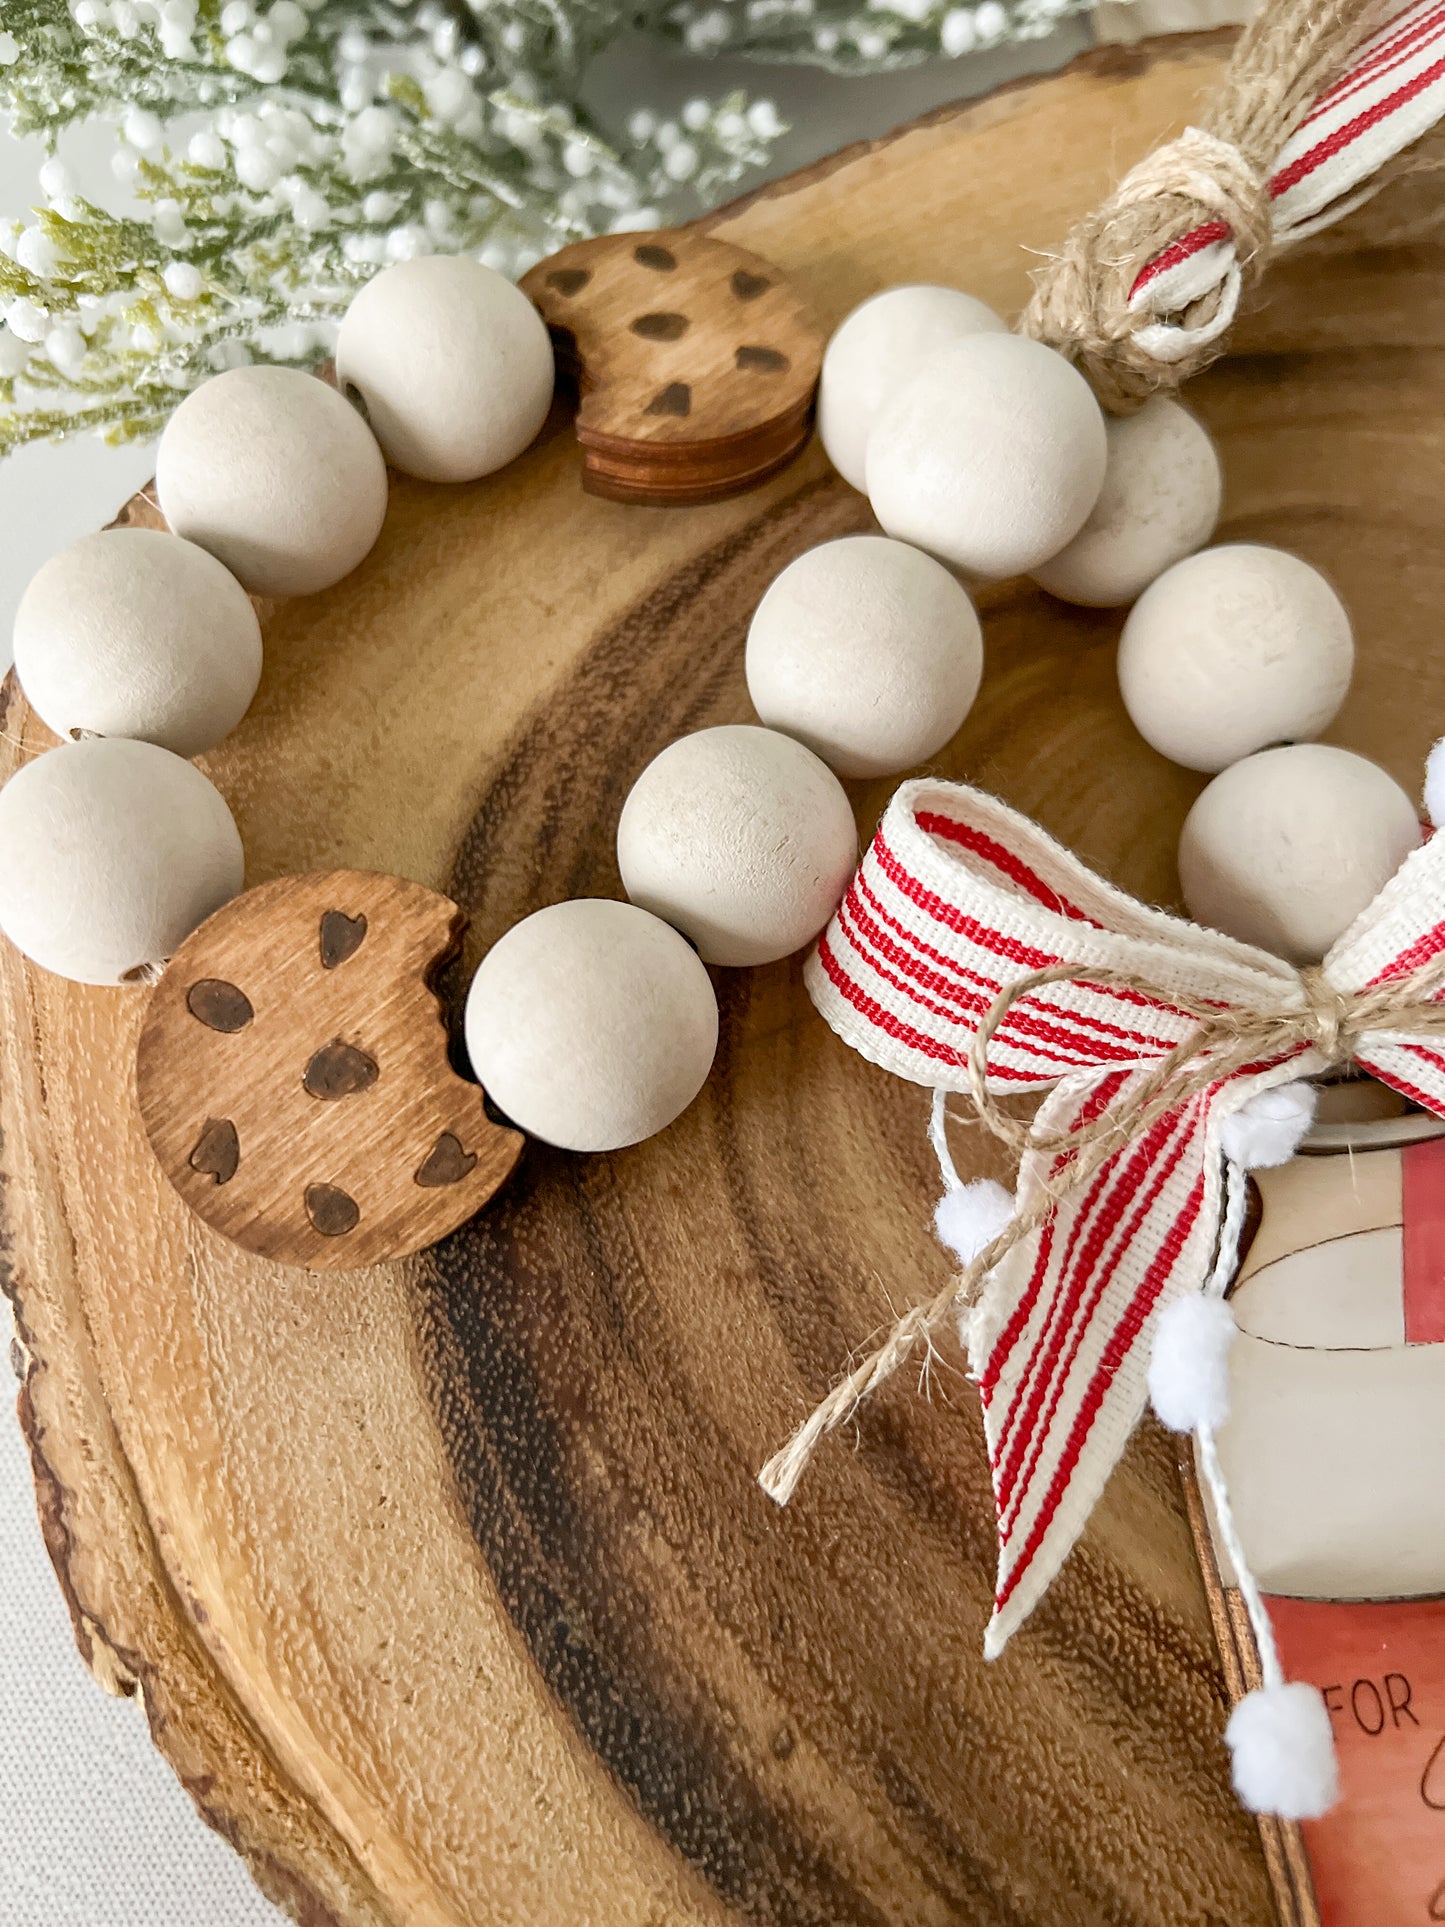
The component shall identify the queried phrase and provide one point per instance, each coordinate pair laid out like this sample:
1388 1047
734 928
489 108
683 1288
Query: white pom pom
1435 784
1267 1128
970 1216
1189 1363
1284 1752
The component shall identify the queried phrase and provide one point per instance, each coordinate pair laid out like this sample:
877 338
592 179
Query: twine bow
1321 100
973 953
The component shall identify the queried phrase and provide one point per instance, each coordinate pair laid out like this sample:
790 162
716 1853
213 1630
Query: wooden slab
451 1593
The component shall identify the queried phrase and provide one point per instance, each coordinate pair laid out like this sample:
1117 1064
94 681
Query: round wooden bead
868 651
133 632
992 456
1159 502
1286 848
453 363
740 837
1232 650
591 1025
877 348
277 475
111 853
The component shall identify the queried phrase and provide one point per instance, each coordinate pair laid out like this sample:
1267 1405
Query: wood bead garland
875 350
742 839
111 852
133 632
868 651
1285 848
592 1024
277 475
991 457
1159 502
452 363
1231 650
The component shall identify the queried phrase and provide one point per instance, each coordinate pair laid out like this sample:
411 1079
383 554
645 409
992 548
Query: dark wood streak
547 1323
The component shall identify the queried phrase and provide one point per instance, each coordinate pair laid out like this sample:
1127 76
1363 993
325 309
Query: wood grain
696 362
451 1594
293 1078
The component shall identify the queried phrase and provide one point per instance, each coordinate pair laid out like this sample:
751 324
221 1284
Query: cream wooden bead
277 475
875 349
1232 650
868 651
591 1025
111 852
1159 502
1286 848
992 456
453 363
740 837
133 632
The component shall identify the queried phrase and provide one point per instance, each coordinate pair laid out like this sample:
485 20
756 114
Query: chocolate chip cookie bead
991 457
111 853
1232 650
133 632
1159 502
1285 849
591 1024
453 363
880 345
868 651
742 839
276 475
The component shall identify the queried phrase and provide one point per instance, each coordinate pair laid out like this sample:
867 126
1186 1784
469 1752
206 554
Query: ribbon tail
1059 1341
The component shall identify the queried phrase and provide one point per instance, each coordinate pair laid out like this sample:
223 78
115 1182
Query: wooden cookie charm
695 360
293 1076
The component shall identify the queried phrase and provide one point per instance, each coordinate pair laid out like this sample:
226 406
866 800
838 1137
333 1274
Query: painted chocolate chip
219 1005
331 1211
446 1162
675 399
341 937
747 287
339 1070
650 256
660 327
218 1150
764 361
569 280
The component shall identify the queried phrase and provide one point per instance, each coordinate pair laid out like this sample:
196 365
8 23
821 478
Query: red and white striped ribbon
959 897
1392 92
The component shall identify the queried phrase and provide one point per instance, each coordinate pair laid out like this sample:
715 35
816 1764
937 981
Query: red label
1379 1858
1422 1169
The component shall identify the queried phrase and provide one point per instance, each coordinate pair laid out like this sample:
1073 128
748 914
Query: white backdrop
94 1830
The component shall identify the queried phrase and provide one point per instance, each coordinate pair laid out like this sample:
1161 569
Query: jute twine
1218 170
1222 1043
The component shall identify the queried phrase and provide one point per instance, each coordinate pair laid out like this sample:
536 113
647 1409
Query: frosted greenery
281 153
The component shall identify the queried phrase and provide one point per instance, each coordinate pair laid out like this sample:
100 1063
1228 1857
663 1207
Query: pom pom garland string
1279 1734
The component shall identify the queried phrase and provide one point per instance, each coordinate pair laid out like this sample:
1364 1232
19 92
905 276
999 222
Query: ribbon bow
974 953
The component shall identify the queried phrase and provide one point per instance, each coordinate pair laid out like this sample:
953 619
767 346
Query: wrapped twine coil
1216 172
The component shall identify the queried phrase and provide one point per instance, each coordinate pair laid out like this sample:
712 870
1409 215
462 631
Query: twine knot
1219 172
1083 298
1336 1017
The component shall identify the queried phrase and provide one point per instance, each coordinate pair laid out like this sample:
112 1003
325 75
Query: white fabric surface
94 1829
